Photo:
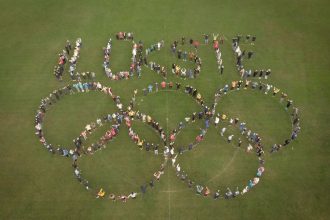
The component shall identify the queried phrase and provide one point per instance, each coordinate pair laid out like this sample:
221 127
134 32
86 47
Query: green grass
292 40
169 108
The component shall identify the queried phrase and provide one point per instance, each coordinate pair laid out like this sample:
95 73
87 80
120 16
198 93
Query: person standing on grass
156 149
193 117
163 84
150 88
230 138
295 111
215 37
239 142
207 191
294 135
100 194
178 168
283 96
68 47
216 194
216 120
156 86
215 45
223 131
228 194
179 54
206 38
286 142
250 53
289 103
183 40
275 90
185 55
196 44
221 69
178 85
207 123
199 189
274 148
173 48
174 160
268 72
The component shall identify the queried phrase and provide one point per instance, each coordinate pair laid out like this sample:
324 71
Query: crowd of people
153 88
240 55
181 55
117 119
142 143
273 91
62 60
74 58
186 56
82 149
54 97
254 144
124 36
136 60
207 114
216 47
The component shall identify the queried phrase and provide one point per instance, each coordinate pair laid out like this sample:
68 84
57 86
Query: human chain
85 82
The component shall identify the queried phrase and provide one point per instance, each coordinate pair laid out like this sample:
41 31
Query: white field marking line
174 191
225 168
169 198
167 90
162 90
168 177
151 129
167 113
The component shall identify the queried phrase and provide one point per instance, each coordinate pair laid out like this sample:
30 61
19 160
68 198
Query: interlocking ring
109 135
254 144
54 97
166 145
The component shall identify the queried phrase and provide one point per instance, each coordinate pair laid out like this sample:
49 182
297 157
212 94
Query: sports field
292 39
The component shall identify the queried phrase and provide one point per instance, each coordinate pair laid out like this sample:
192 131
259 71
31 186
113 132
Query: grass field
292 39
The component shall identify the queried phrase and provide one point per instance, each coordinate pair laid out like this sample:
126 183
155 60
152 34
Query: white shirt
178 168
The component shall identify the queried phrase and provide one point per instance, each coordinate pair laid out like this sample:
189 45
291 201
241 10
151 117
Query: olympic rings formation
130 114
